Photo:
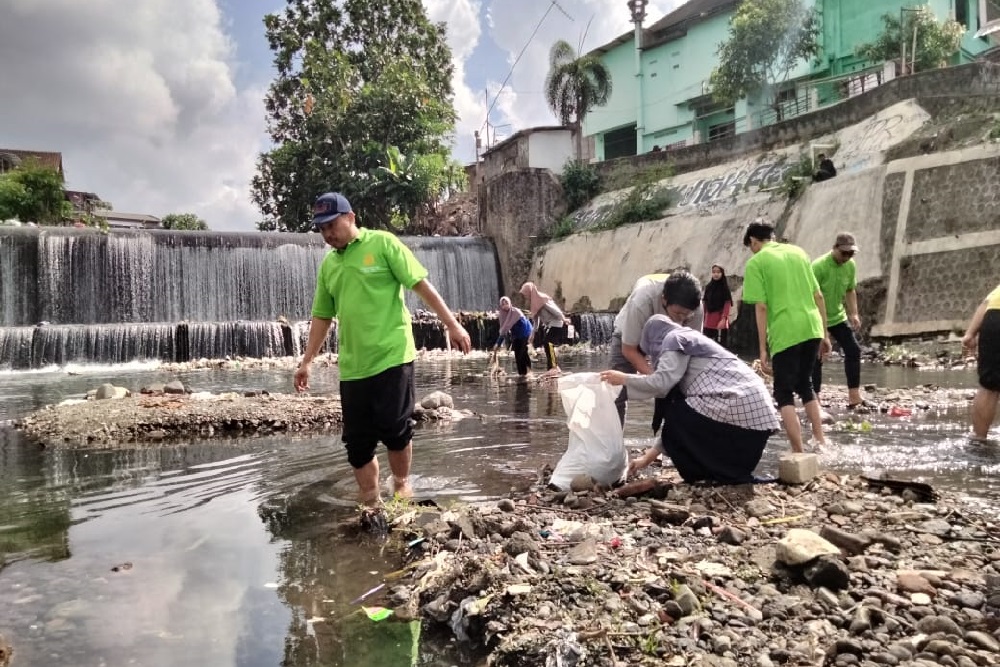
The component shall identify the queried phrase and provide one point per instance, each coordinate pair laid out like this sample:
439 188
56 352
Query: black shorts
989 351
793 369
377 408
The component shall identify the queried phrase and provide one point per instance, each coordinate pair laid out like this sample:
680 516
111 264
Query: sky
157 106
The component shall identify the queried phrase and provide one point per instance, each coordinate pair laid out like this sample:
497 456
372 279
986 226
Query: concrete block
797 468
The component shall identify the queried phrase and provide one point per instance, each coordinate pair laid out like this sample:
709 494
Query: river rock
437 399
984 641
799 546
584 553
932 624
175 387
912 582
6 652
582 482
827 571
849 542
154 389
109 391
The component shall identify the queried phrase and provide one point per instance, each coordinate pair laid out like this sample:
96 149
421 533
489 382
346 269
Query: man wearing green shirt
836 274
791 324
361 284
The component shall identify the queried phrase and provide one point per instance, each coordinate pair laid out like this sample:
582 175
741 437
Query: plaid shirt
725 390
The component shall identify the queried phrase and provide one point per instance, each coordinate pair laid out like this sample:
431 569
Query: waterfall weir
79 295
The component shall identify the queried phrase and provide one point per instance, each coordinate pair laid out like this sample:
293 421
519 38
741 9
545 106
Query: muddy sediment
838 572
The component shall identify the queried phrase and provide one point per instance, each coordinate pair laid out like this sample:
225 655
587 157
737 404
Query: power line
518 59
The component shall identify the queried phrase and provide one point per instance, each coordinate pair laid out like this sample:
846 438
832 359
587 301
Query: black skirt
704 450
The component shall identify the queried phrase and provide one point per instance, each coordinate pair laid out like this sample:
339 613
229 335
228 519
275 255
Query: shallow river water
232 553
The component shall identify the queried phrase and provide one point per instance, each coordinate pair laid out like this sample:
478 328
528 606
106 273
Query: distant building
11 158
118 220
536 147
668 102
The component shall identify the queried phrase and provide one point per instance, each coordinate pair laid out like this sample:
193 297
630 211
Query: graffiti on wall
732 183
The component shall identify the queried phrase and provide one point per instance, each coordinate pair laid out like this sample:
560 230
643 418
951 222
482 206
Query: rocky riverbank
838 572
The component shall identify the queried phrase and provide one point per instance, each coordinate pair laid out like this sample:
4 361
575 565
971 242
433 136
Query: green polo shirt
835 281
781 277
362 286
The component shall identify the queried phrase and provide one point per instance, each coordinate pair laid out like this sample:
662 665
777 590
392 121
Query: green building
662 98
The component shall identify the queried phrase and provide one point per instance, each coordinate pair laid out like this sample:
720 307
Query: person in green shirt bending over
791 324
361 284
836 274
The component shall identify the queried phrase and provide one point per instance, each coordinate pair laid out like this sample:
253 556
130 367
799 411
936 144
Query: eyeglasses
846 253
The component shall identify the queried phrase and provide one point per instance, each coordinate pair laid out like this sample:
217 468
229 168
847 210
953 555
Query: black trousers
793 370
720 336
521 358
844 335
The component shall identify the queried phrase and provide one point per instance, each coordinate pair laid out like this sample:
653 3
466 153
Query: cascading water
595 328
128 295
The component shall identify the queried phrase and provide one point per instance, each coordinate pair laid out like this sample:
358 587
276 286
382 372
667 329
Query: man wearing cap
673 295
361 284
836 274
791 324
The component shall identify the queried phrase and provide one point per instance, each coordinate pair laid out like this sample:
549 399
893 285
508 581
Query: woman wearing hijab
515 328
548 319
718 300
718 414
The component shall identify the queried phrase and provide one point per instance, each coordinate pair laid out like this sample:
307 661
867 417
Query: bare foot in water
401 488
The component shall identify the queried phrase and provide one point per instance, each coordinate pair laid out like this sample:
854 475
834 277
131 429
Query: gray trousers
620 363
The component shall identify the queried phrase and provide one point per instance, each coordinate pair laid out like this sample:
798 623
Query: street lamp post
638 9
902 40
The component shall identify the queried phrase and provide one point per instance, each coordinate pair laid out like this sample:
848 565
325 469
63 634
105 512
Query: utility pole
638 9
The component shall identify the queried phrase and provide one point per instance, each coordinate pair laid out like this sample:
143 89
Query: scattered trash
896 411
367 593
377 613
121 567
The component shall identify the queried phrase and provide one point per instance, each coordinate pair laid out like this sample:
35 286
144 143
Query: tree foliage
936 41
184 221
359 84
575 85
767 40
33 193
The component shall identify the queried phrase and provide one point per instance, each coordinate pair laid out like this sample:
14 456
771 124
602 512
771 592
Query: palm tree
574 86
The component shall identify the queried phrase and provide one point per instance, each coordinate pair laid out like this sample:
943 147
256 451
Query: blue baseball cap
328 206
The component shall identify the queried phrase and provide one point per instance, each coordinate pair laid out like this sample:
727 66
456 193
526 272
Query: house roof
523 133
672 25
127 217
45 158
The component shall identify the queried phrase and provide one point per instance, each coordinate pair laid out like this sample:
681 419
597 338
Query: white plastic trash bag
596 445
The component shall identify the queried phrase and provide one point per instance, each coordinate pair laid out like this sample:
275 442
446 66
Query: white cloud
464 31
140 99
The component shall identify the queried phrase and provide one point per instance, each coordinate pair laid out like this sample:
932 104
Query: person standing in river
836 274
717 302
676 295
548 319
791 324
515 327
983 337
361 284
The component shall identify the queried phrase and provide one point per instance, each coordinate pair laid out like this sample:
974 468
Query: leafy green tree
188 221
358 82
936 41
767 40
33 193
575 85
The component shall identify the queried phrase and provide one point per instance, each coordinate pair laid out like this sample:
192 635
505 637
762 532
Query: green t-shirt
362 286
781 277
835 281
